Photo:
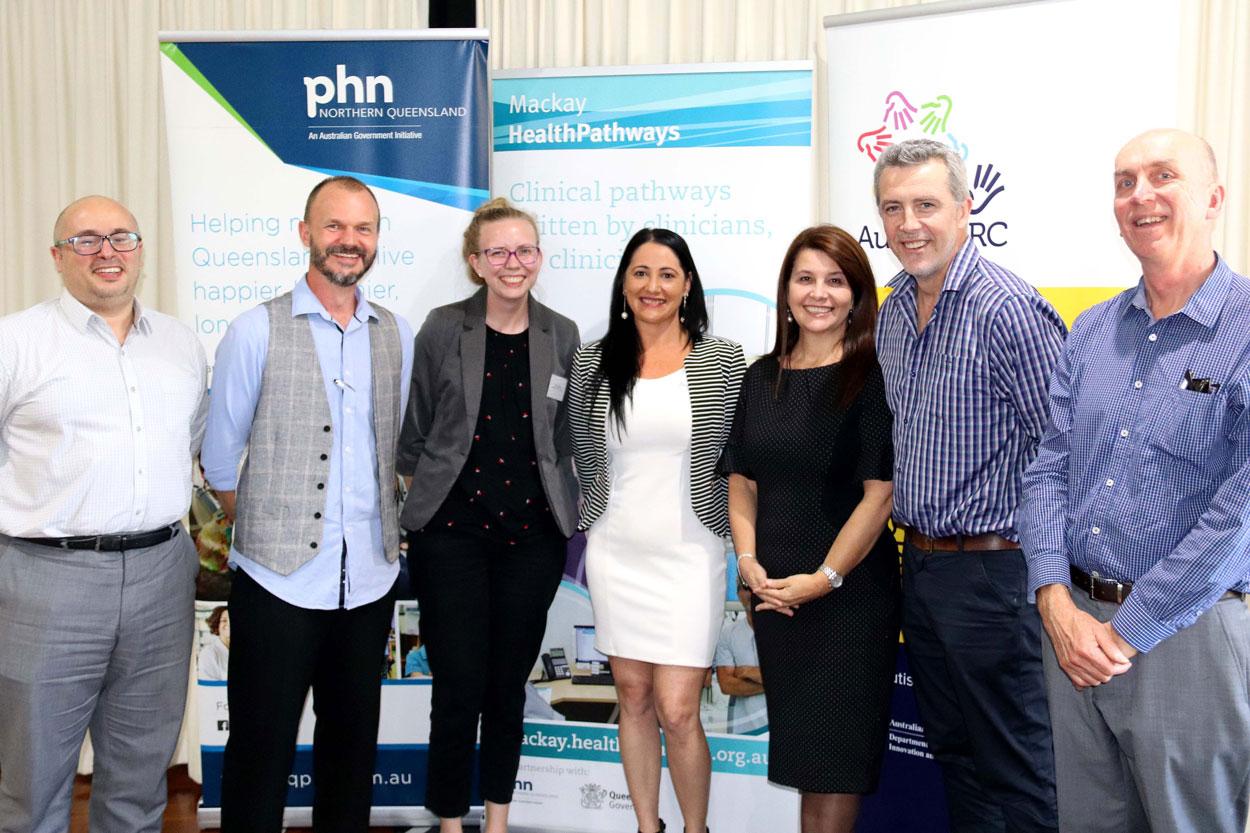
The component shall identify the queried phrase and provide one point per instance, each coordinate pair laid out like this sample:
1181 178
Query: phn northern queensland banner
255 120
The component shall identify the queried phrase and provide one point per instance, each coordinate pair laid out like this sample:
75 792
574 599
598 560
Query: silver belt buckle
1094 578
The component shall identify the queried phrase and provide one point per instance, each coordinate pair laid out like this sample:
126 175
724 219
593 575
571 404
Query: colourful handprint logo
874 141
937 112
985 180
902 110
901 116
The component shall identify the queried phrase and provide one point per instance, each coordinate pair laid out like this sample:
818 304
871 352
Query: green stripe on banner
171 51
737 755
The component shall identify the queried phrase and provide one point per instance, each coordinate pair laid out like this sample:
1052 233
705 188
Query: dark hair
621 350
214 618
349 183
858 350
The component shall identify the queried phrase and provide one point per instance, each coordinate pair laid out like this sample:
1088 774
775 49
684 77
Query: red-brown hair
858 348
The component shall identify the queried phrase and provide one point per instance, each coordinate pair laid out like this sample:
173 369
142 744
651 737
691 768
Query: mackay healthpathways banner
719 153
255 120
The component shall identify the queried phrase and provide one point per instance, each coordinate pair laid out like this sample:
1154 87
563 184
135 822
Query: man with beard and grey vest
312 386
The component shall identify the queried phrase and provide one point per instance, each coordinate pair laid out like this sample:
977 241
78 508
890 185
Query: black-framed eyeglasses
525 255
89 244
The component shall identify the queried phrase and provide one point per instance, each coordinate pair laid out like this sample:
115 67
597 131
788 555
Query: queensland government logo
933 120
593 796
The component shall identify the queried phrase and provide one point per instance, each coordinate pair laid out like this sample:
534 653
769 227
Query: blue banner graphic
400 115
680 110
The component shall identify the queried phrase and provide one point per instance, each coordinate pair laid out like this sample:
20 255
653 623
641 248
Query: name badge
555 390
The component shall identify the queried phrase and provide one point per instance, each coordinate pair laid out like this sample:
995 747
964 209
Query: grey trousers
1164 748
99 640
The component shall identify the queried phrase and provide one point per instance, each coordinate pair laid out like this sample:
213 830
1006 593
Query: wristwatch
834 577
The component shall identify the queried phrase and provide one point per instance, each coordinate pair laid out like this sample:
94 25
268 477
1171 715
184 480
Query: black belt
110 543
1102 589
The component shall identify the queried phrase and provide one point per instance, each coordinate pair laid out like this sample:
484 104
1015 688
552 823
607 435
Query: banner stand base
210 817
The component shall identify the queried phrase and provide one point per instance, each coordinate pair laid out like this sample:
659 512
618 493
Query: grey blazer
446 393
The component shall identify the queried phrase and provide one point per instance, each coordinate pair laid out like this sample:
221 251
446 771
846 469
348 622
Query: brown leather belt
988 542
1102 589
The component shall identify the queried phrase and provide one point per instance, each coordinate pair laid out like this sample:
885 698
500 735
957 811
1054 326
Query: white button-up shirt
96 437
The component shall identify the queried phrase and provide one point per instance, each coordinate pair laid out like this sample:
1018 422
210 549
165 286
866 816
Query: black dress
828 671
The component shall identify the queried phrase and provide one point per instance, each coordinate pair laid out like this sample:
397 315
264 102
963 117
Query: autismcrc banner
1032 96
719 153
254 122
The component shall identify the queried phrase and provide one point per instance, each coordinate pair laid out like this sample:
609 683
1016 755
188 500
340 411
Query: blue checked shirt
1140 478
968 395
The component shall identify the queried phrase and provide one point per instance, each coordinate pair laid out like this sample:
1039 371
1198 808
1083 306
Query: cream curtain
81 112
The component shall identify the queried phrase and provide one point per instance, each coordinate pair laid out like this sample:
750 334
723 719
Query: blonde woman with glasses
492 502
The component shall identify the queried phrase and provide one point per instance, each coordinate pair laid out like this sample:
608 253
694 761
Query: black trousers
483 614
974 648
277 651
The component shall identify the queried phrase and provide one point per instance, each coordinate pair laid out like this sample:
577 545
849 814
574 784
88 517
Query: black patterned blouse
499 494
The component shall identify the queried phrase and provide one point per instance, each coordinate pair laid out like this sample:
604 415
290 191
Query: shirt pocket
965 381
180 393
172 404
1190 428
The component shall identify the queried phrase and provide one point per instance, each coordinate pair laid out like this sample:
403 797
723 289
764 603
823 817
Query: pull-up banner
722 155
1033 96
255 120
1037 97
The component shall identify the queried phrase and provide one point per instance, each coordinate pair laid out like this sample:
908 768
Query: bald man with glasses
102 409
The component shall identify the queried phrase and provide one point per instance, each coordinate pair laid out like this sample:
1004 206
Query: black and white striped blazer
714 371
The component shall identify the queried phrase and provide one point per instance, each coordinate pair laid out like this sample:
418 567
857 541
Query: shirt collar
962 265
1204 306
80 316
304 302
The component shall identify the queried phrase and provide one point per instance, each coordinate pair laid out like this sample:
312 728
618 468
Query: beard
319 258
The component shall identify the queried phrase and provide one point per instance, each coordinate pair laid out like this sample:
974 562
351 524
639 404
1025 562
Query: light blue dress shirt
352 512
1144 475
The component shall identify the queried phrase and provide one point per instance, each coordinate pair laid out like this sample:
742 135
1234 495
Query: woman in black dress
810 464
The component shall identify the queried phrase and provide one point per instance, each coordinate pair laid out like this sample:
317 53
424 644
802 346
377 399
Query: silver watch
834 577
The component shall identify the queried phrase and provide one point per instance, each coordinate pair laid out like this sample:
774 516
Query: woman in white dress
650 406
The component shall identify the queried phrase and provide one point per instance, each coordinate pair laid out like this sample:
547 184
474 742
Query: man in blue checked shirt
1136 520
967 349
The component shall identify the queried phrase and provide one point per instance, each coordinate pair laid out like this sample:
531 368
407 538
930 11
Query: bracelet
741 581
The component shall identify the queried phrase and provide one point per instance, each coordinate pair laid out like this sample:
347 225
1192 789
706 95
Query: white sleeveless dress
656 573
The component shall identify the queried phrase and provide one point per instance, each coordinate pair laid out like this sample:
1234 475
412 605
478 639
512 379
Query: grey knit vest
282 486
